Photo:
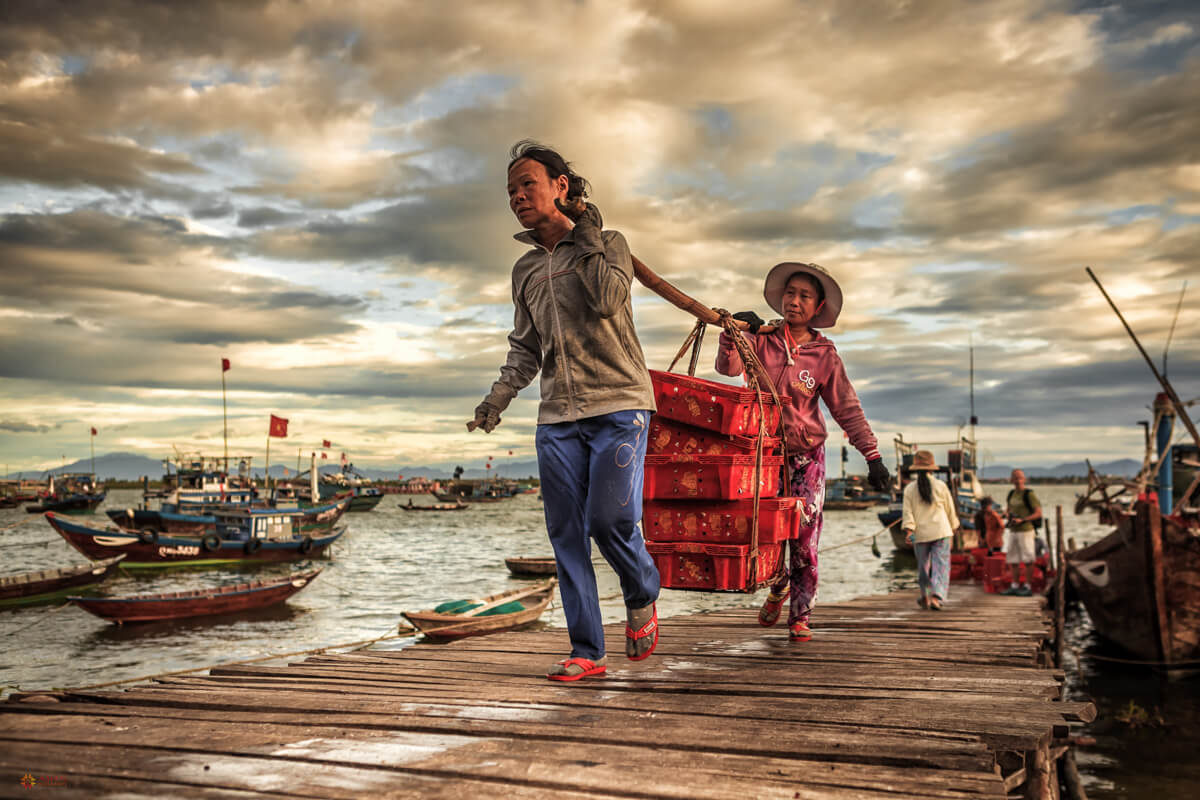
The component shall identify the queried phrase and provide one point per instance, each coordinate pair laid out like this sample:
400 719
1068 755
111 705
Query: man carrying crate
573 321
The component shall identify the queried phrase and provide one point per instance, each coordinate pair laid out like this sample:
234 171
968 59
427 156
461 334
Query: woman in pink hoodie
804 366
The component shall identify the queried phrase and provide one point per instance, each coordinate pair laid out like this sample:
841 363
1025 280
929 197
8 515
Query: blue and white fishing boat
239 535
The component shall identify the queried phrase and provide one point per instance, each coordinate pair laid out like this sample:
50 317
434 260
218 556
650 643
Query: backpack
1037 523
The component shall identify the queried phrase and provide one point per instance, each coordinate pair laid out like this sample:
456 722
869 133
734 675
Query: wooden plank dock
886 701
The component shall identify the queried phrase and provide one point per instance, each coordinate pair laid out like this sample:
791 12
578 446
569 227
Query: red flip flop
589 668
649 629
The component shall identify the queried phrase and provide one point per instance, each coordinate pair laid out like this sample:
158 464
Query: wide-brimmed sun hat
923 461
777 280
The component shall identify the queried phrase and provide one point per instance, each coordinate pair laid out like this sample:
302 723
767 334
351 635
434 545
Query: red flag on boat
399 477
343 458
93 431
324 455
510 452
278 427
326 443
224 365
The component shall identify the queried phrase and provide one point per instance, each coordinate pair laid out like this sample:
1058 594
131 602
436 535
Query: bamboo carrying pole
681 300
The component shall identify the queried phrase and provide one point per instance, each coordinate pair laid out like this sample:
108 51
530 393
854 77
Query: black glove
750 318
487 416
878 475
588 224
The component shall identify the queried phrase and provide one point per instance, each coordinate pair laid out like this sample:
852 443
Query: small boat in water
70 493
48 585
410 506
531 566
241 535
196 603
505 611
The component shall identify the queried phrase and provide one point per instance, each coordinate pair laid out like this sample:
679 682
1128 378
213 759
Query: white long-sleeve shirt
929 521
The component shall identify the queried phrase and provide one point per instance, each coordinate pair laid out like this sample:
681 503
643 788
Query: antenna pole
974 419
1167 388
1171 333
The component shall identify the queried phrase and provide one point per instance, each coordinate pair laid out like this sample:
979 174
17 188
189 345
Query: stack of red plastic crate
699 488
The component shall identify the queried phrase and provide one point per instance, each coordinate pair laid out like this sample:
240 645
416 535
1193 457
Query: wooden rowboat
48 585
486 615
409 506
531 566
196 603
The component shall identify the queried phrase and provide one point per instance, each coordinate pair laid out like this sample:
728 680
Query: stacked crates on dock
699 490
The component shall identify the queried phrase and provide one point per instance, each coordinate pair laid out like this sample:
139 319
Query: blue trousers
592 471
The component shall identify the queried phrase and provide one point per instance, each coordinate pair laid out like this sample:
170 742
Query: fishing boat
48 585
365 494
314 520
240 535
495 613
1141 582
410 506
196 603
846 494
70 493
531 566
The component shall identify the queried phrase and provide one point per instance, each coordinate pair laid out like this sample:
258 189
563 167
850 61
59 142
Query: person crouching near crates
929 522
574 322
805 367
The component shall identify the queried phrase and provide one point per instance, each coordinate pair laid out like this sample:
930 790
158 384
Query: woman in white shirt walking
929 522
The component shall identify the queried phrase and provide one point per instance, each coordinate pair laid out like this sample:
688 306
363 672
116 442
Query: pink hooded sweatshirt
817 371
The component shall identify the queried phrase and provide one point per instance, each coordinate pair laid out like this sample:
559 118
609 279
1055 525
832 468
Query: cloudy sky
316 191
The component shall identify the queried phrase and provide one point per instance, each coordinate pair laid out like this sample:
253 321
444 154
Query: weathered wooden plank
608 764
999 731
846 744
346 768
325 681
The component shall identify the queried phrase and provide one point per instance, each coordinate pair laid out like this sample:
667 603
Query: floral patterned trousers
933 567
808 484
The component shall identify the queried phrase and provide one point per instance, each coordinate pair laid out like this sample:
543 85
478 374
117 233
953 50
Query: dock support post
1037 774
1068 773
1060 590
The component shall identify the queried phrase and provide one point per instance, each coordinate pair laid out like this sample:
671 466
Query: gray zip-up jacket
573 320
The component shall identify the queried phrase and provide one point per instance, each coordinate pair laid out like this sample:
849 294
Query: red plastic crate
668 437
725 522
719 407
712 567
676 477
1000 575
960 568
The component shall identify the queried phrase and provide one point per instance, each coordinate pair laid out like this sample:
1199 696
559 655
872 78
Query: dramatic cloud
316 191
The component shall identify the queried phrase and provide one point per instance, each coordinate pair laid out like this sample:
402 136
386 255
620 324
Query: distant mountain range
1125 468
130 466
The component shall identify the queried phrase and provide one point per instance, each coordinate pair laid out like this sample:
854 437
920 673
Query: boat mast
974 419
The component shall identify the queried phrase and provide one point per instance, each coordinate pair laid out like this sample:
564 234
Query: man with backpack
1020 545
